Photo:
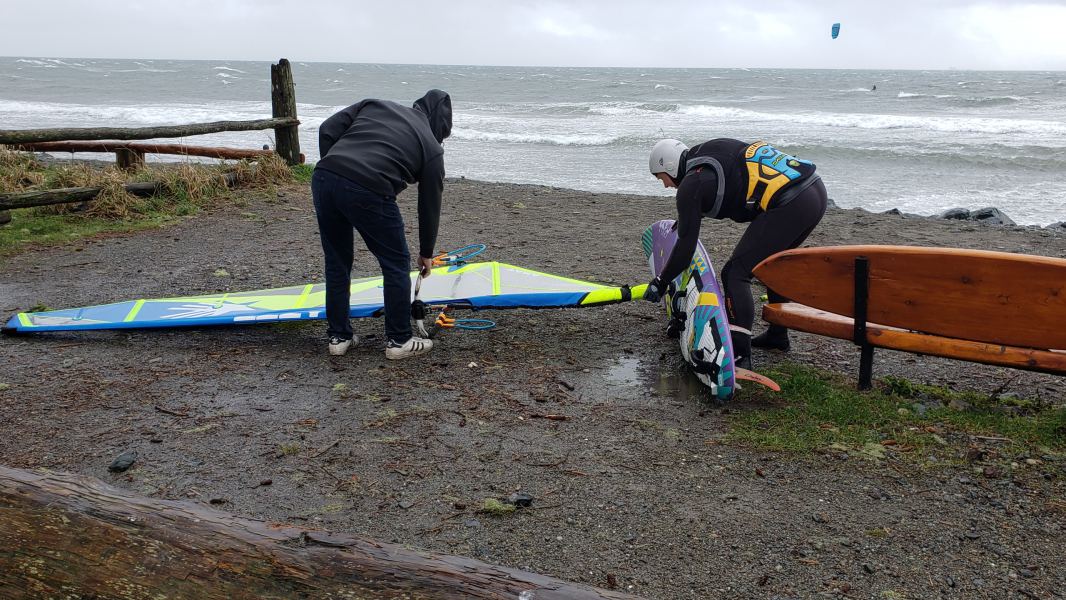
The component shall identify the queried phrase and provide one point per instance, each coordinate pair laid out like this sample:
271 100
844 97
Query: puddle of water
671 381
624 372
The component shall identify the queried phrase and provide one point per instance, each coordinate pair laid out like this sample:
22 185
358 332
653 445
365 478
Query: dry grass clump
182 187
18 171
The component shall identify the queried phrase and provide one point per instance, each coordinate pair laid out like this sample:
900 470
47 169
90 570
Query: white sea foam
534 138
54 114
220 68
884 121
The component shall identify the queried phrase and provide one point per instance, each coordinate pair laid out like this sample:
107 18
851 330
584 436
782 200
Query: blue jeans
341 205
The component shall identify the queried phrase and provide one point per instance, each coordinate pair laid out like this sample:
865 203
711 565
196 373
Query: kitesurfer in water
370 152
780 195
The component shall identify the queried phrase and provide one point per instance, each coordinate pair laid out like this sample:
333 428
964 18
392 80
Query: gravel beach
635 489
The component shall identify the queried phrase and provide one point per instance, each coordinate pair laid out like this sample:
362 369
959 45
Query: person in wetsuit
370 152
780 195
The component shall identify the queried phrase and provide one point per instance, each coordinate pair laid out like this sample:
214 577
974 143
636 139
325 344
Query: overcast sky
894 34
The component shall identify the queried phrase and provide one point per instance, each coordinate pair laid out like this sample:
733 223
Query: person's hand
425 266
655 290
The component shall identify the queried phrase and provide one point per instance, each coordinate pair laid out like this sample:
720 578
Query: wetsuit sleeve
334 127
430 188
689 215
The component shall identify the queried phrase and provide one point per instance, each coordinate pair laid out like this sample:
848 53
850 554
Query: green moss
817 410
492 506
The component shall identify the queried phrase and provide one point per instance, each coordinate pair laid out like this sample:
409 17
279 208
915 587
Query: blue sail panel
475 285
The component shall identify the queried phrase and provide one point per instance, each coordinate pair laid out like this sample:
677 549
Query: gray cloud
661 33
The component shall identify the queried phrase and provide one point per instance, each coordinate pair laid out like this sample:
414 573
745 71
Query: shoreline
991 215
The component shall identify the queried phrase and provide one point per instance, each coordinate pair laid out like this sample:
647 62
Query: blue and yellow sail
480 285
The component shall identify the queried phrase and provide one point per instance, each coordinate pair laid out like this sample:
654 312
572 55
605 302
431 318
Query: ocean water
922 142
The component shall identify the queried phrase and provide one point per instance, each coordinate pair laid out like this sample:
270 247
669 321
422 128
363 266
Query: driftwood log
83 194
29 136
70 536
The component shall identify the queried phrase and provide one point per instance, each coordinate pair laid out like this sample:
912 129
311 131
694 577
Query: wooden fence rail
284 123
139 150
29 136
142 189
131 155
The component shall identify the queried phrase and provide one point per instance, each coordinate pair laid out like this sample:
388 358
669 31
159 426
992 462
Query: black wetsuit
715 181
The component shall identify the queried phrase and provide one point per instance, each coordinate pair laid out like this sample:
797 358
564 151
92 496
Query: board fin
752 376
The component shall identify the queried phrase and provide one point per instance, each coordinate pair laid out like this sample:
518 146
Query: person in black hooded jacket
370 152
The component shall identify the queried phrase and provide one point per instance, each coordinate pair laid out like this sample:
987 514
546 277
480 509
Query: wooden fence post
128 159
283 101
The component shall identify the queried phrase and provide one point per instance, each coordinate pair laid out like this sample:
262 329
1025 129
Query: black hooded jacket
384 146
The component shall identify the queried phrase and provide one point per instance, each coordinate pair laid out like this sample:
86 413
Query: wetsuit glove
655 289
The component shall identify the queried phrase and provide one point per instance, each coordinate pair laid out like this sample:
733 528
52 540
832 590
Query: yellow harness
769 170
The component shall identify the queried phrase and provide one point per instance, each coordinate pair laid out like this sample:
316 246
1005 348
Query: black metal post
862 293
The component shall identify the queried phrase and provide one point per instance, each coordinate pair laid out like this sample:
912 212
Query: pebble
520 499
123 461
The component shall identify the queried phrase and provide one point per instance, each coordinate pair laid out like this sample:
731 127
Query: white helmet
666 156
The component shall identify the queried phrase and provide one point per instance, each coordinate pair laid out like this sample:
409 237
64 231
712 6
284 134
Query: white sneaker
412 347
338 346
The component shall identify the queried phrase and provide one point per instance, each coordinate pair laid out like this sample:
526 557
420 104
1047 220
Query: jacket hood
437 106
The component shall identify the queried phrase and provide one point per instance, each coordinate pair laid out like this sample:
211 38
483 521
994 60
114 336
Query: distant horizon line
518 66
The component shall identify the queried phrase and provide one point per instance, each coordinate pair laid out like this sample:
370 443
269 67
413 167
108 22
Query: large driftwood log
83 194
69 536
208 151
29 136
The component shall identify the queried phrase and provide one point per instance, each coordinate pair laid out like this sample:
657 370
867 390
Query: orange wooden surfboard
993 297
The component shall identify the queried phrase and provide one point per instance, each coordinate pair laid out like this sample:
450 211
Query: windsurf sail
836 30
479 285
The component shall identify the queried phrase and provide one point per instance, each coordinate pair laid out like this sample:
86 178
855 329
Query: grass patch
187 188
817 410
302 173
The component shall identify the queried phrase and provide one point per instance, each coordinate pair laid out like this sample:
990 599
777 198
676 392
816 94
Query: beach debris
123 461
520 499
